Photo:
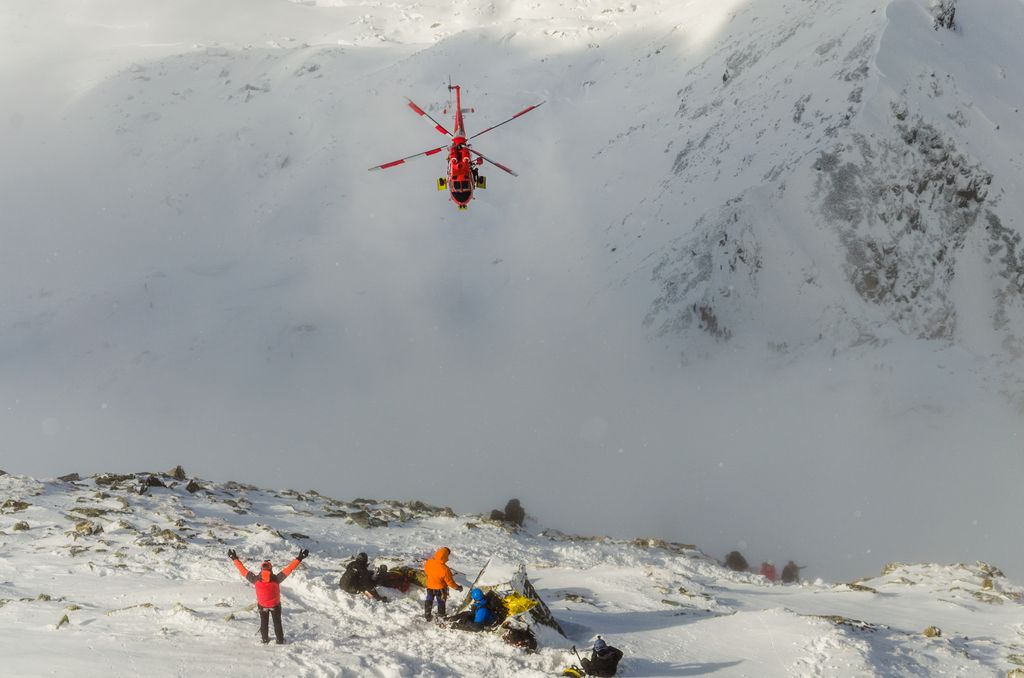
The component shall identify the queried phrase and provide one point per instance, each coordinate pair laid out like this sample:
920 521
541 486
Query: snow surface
724 278
151 592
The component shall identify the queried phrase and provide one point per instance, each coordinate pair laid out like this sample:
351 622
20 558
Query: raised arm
246 574
290 567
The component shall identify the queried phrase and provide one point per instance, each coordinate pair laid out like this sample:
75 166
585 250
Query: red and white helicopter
463 175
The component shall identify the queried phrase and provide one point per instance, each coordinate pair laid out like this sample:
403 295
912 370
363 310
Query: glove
458 588
232 555
302 555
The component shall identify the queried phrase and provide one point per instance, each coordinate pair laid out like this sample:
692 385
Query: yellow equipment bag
516 603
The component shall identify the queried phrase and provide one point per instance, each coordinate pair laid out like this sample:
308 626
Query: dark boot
427 607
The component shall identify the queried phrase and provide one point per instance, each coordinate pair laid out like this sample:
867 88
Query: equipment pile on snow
521 599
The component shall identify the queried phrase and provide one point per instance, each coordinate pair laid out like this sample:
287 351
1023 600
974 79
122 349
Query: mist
197 269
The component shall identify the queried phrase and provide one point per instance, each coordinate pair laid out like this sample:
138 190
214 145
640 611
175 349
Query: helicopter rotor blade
496 164
420 111
522 112
393 163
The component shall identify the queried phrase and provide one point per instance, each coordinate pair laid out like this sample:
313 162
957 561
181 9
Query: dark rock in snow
84 528
108 479
364 519
514 512
13 506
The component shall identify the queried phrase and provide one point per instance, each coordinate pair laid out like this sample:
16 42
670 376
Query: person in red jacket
268 591
439 580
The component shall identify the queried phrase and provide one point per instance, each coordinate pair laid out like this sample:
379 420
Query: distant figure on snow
357 578
791 573
736 562
604 659
439 580
769 572
268 591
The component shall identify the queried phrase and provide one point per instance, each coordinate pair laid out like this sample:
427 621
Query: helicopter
463 173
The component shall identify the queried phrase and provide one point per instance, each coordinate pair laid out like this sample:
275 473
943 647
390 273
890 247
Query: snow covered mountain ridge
126 574
882 161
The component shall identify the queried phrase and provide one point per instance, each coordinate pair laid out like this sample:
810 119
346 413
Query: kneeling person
604 660
357 578
478 617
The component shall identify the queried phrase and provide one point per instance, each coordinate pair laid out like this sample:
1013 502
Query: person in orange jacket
268 591
439 580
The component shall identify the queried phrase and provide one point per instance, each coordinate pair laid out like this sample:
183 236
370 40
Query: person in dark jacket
791 573
358 578
736 562
268 591
604 659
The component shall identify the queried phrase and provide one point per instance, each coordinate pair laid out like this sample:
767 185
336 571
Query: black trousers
265 614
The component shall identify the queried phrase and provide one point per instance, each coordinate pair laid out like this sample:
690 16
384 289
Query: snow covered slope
882 160
760 268
136 563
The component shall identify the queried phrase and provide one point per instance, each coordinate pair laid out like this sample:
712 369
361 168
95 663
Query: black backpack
497 607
